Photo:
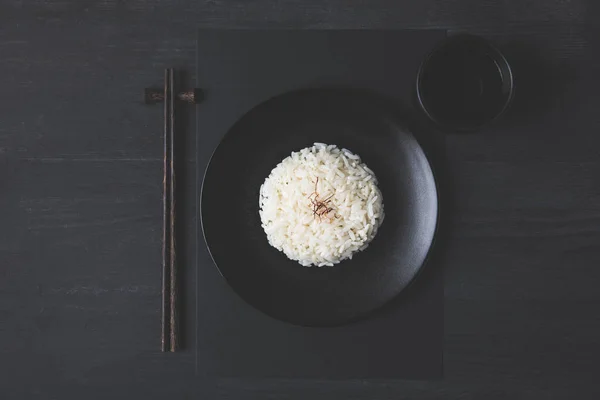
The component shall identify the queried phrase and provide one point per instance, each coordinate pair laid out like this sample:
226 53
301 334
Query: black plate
265 277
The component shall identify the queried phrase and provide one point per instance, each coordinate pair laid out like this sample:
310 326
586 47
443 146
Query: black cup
464 84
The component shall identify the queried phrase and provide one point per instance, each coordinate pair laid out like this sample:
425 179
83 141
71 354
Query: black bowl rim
498 57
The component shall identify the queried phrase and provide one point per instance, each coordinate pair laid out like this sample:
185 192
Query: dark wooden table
80 196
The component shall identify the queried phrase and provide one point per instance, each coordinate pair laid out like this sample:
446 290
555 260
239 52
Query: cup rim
505 71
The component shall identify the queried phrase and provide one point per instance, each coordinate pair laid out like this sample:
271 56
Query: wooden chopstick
174 317
169 337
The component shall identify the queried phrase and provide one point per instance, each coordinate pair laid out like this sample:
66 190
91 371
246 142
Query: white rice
287 205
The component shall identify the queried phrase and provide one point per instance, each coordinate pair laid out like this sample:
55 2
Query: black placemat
238 69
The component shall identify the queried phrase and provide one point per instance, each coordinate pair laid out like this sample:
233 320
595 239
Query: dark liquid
462 88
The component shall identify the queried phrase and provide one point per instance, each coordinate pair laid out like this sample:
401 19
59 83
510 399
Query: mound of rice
321 205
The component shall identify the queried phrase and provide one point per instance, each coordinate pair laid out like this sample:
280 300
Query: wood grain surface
80 190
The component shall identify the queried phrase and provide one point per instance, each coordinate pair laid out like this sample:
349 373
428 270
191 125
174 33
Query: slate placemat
239 69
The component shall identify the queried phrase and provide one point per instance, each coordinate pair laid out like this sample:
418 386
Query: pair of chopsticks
169 96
